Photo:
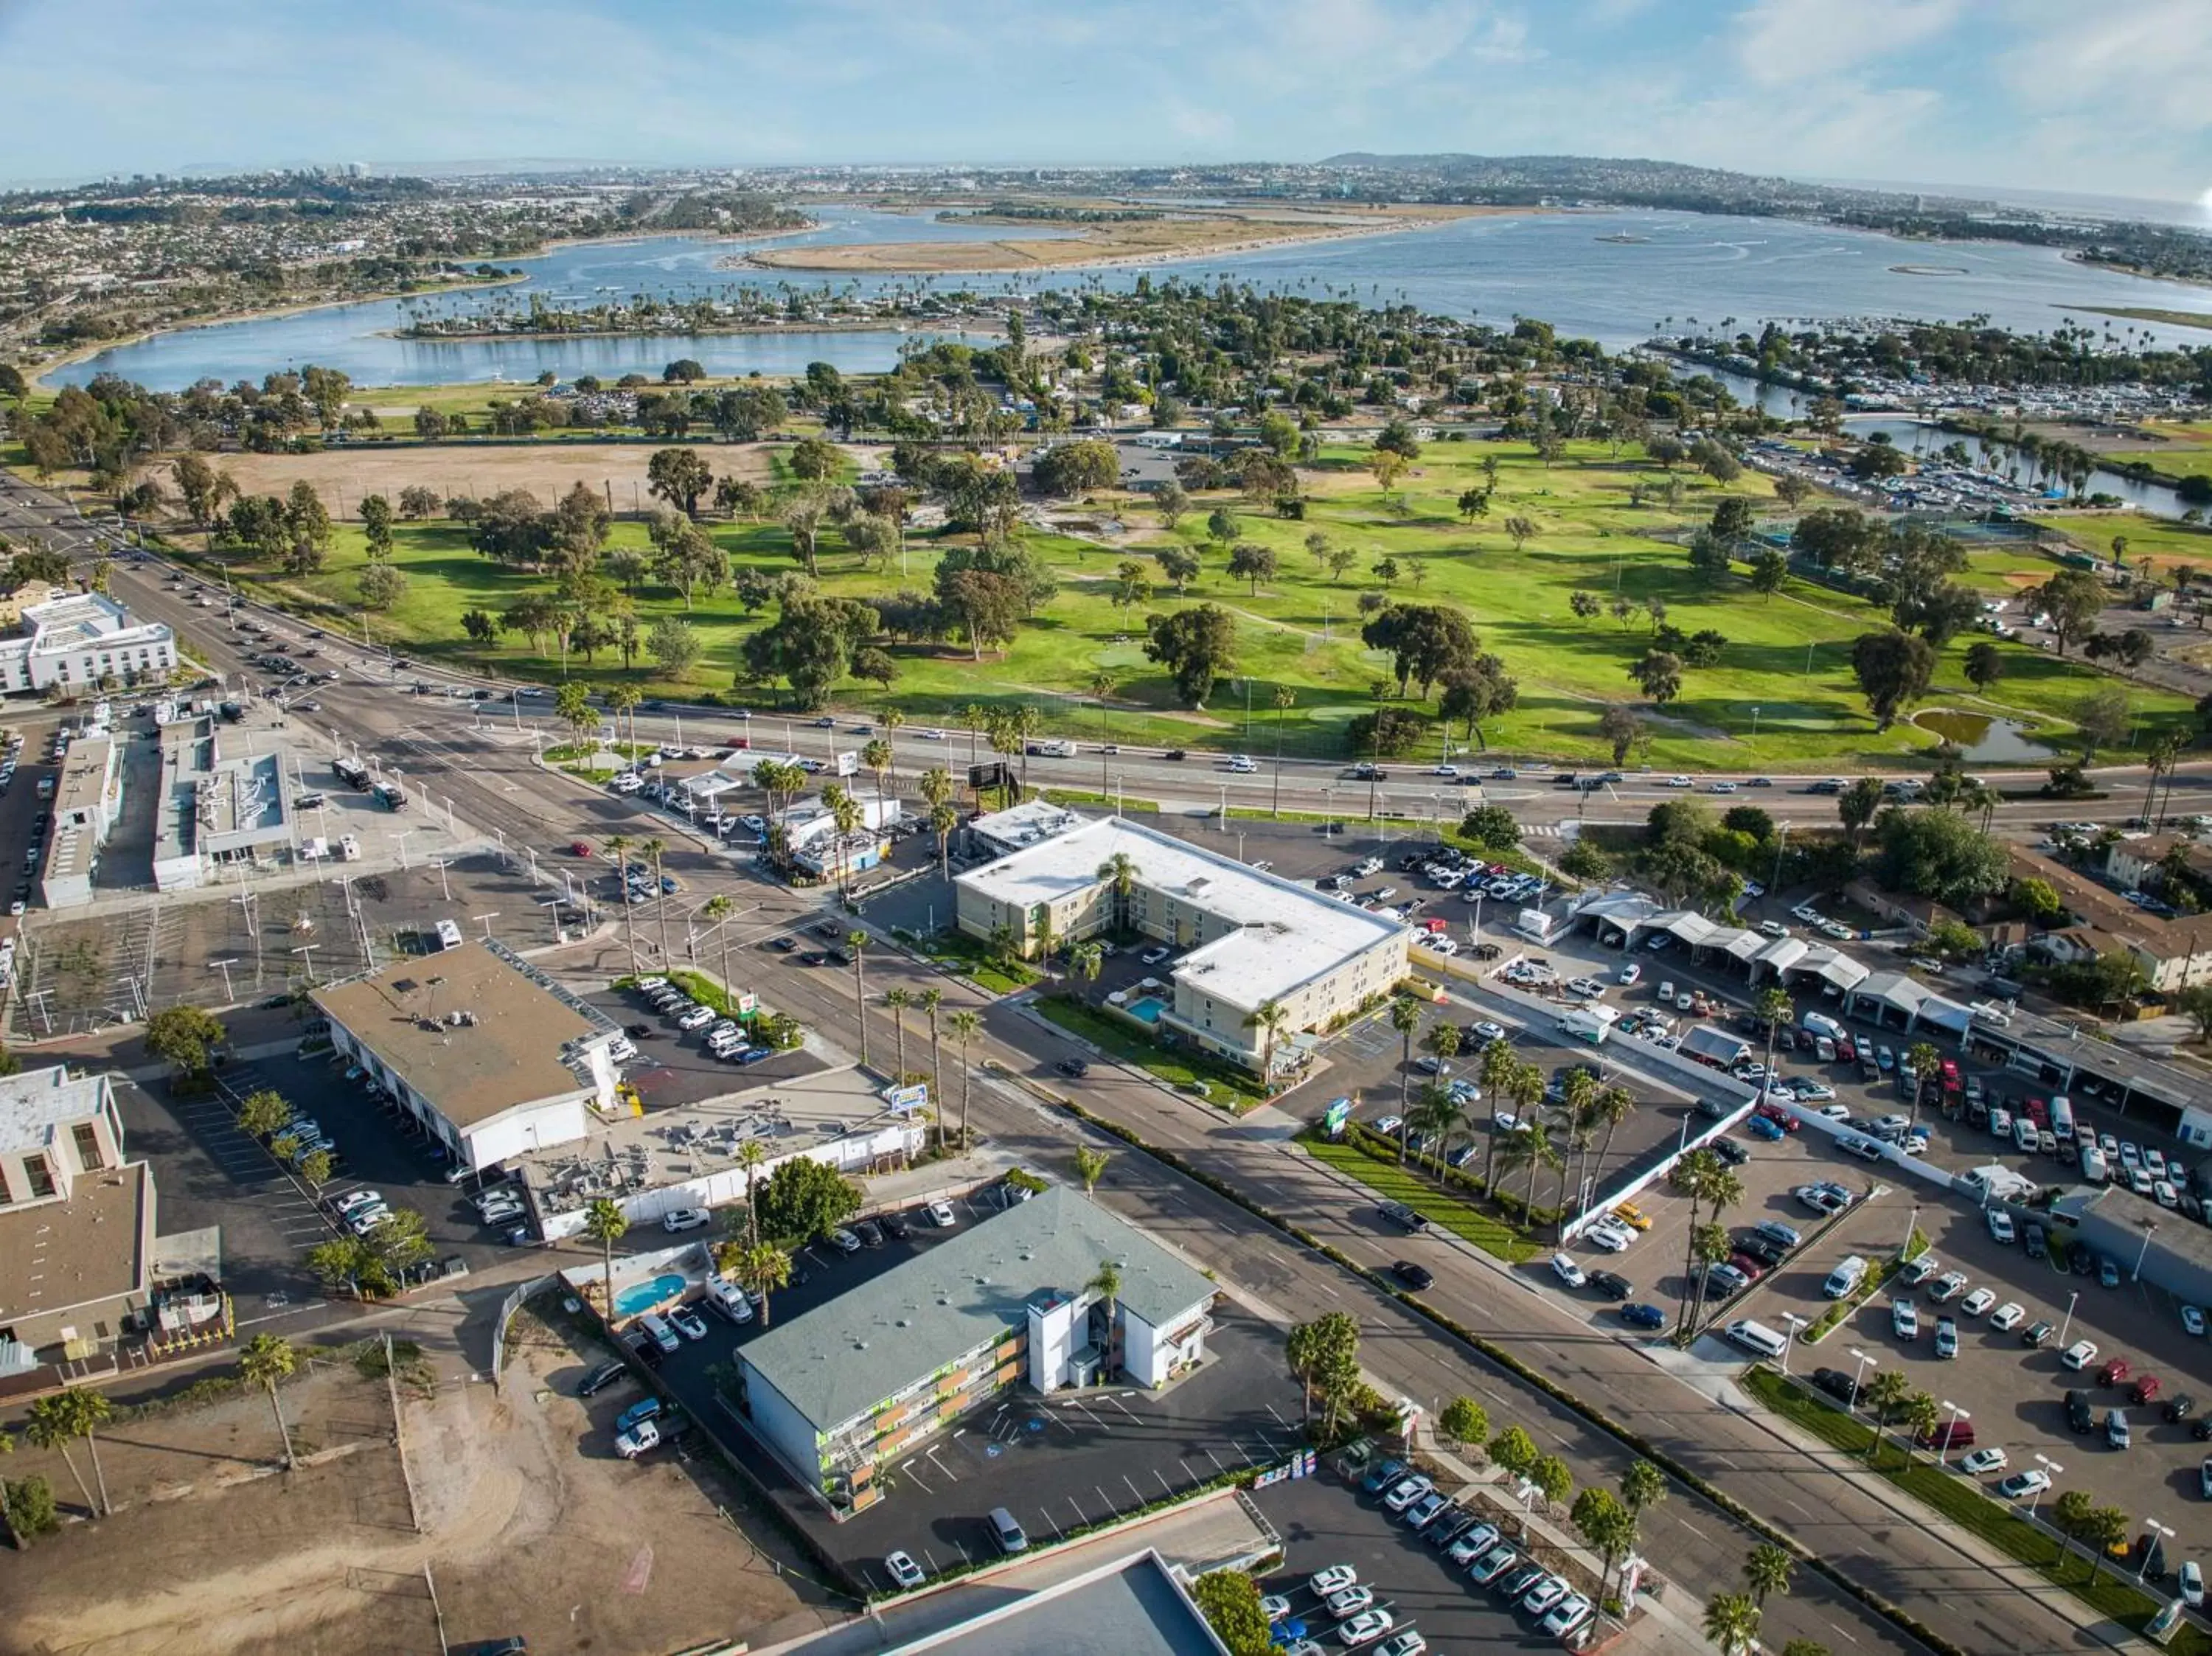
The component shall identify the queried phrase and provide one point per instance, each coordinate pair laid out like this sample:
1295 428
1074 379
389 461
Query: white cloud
2136 64
1782 42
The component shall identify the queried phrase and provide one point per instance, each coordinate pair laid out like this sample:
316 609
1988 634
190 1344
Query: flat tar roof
844 1358
93 1246
1132 1607
35 1102
1290 933
510 1054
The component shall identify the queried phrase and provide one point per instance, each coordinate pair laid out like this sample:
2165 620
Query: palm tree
618 846
1724 1189
966 1024
605 1223
1926 1065
1612 1106
1090 1165
1436 1115
856 941
1693 1174
761 1268
1286 698
52 1425
1405 1019
1107 1285
267 1359
1121 871
1774 1006
717 909
973 718
651 849
1767 1570
898 1000
1885 1395
1087 961
624 699
1524 1090
936 787
1543 1156
846 818
930 1000
1732 1623
1267 1017
877 757
752 1156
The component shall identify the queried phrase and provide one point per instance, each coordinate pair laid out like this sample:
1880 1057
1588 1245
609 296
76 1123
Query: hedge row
1910 1625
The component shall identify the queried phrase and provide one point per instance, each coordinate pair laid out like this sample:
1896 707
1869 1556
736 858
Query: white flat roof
33 1103
1290 933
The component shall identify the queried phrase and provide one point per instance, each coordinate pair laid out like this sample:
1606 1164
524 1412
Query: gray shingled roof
844 1358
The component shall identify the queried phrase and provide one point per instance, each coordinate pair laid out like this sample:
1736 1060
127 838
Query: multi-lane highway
480 762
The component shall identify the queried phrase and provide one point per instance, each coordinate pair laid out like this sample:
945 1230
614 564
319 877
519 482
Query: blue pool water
1148 1009
643 1296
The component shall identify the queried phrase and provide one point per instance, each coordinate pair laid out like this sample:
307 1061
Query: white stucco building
76 642
1252 939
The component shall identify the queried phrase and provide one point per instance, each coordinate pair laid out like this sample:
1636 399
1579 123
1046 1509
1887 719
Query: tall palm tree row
856 942
1405 1019
605 1223
897 998
966 1024
932 1000
652 848
618 846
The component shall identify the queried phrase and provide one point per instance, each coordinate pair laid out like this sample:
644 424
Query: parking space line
1100 1494
1187 1471
1214 1458
906 1467
1165 1486
1133 1490
1078 1504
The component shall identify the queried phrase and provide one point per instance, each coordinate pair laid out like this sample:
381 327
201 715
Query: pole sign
1333 1119
748 1003
906 1100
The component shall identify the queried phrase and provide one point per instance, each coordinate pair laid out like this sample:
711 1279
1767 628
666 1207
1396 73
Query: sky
2107 99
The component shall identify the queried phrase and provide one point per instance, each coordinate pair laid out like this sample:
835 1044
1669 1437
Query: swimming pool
1147 1010
643 1296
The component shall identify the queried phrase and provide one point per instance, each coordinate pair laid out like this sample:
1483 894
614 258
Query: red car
2143 1390
2113 1372
1845 1049
1750 1267
1780 1116
579 848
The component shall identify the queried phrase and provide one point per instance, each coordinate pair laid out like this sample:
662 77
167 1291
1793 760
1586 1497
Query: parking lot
1058 1463
674 1068
1327 1521
2012 1395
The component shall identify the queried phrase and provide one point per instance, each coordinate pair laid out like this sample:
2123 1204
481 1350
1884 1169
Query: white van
730 1300
2062 1120
659 1330
1844 1279
1756 1337
2023 1134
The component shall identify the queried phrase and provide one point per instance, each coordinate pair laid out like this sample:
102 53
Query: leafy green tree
1895 669
813 460
1197 646
1515 1450
78 1412
1249 560
674 645
803 1200
264 1113
1606 1527
1770 571
1464 1421
185 1038
1660 674
2074 599
1939 854
1552 1475
1230 1601
1643 1486
1491 826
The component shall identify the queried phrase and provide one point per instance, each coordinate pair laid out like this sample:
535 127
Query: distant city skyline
2022 96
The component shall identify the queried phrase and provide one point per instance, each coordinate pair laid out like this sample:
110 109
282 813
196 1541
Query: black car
1838 1384
645 1349
1729 1151
1174 753
870 1233
600 1378
1765 1249
2080 1414
1610 1284
897 1226
639 1031
2180 1408
2201 1428
829 929
1412 1274
1073 1068
840 955
2036 1336
784 944
2081 1261
813 957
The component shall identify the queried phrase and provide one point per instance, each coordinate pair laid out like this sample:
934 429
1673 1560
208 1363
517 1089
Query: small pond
1985 739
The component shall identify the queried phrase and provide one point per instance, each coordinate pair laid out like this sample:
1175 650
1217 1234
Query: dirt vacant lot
530 1524
547 469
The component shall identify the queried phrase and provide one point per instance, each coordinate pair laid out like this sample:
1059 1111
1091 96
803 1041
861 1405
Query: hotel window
41 1176
87 1147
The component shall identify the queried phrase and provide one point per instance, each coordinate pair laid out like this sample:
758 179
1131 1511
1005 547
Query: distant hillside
1521 180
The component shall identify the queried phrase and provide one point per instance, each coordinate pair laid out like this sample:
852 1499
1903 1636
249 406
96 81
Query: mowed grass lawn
1786 666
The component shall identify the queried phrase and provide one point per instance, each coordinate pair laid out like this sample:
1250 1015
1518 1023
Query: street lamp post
1951 1430
1796 1324
1865 1362
2052 1468
2156 1529
2150 1230
2071 1300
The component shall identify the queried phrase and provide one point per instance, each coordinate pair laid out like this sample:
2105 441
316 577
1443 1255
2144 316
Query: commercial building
215 806
2150 1243
1253 940
490 1054
811 840
1132 1606
76 1219
82 641
2174 955
852 1385
87 800
1019 827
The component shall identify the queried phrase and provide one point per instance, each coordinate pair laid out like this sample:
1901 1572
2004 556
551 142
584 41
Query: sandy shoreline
852 326
912 264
